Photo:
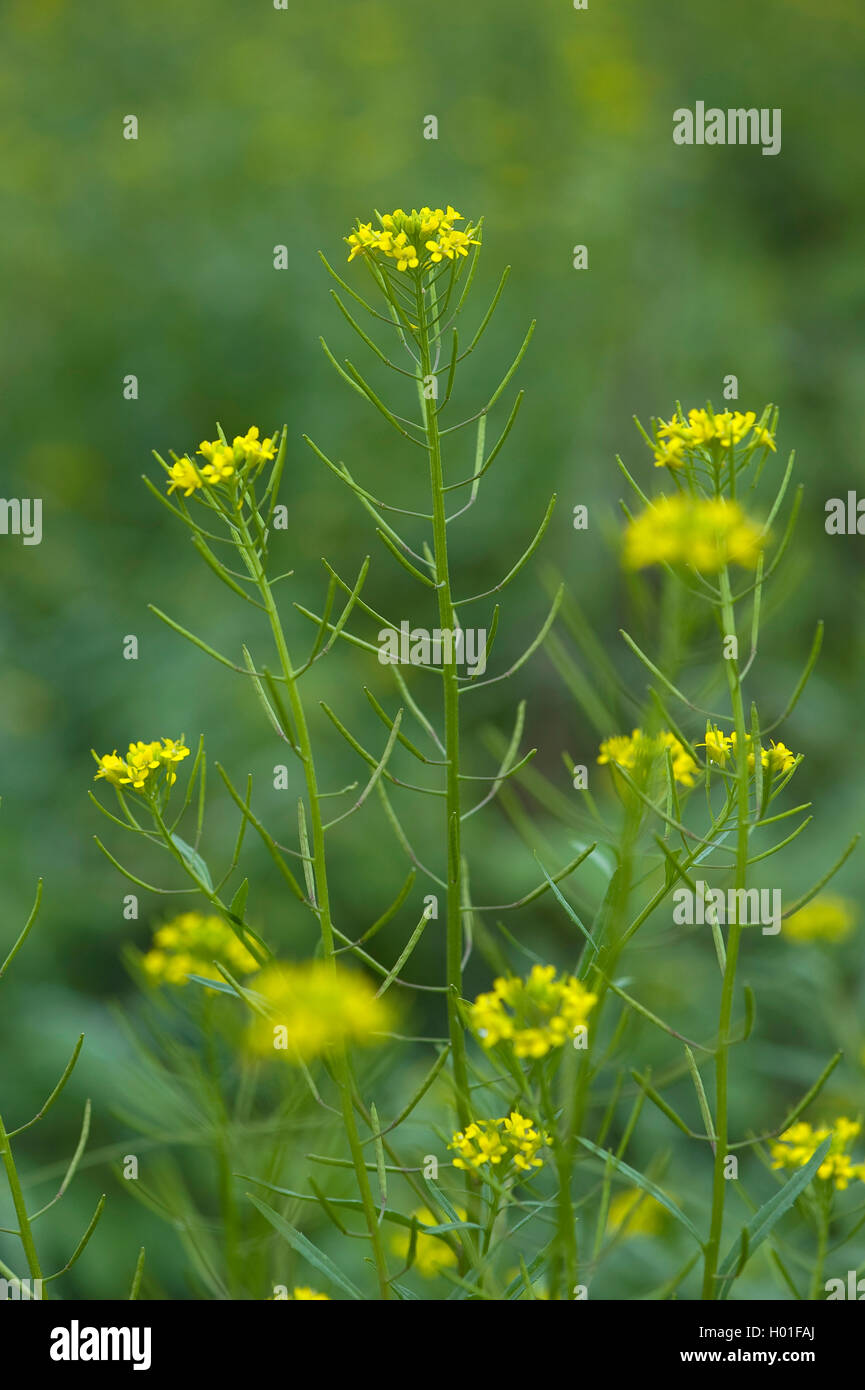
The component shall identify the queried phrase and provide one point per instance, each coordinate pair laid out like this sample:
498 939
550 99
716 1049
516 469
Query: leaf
194 862
305 1247
705 1111
23 936
646 1185
354 1204
379 1158
82 1244
137 1276
761 1224
750 1012
404 1293
568 909
238 902
213 984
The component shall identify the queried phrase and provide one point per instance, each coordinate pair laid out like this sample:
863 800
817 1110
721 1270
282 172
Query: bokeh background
261 127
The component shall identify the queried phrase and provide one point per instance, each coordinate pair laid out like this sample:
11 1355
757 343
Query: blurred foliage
155 257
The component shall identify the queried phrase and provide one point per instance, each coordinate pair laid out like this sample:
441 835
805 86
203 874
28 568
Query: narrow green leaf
34 912
238 902
643 1182
194 862
763 1222
381 1169
306 1249
137 1276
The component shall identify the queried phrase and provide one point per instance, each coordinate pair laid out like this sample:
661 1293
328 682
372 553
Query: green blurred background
155 257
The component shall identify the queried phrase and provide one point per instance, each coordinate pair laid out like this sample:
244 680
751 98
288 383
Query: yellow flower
641 750
111 767
535 1014
798 1143
707 533
402 251
826 918
222 461
450 245
639 1212
401 233
189 944
173 750
670 453
432 1253
142 764
248 448
183 473
511 1141
764 437
720 747
313 1007
141 760
706 427
778 758
362 239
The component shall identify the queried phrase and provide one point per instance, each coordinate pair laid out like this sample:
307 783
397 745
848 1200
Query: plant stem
24 1228
734 933
321 905
823 1213
222 1127
452 726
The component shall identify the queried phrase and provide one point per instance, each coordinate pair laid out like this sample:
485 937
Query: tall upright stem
321 905
24 1228
734 934
454 945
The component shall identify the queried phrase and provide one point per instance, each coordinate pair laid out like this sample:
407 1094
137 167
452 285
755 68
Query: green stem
564 1254
822 1242
321 905
734 933
447 623
227 1200
24 1228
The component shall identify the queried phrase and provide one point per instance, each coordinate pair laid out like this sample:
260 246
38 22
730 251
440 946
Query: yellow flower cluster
432 1253
301 1293
141 766
721 747
705 428
640 750
222 461
535 1014
639 1212
314 1006
827 918
512 1141
189 944
797 1144
707 533
403 237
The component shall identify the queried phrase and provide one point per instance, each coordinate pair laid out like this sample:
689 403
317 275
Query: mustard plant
715 556
529 1098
